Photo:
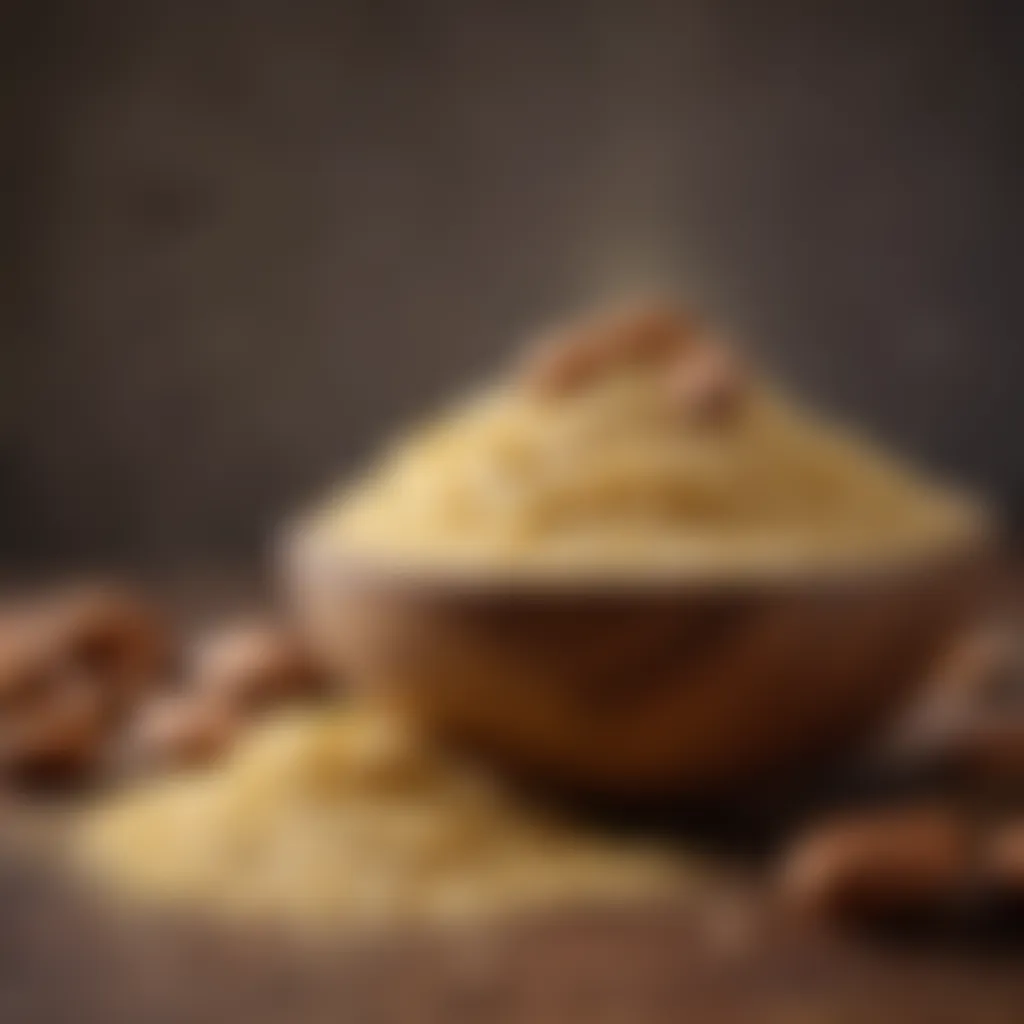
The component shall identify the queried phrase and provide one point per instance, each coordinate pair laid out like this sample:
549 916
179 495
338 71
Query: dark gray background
240 240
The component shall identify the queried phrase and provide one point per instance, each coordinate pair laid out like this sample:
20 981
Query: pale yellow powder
345 817
613 480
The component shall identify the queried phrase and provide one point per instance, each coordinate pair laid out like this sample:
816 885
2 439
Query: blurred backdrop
243 239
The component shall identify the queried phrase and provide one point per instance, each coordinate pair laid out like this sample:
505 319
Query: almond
707 385
886 864
252 666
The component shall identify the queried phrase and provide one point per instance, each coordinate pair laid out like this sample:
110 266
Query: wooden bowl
691 687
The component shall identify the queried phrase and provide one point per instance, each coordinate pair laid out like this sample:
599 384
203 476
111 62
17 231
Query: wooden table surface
63 959
724 956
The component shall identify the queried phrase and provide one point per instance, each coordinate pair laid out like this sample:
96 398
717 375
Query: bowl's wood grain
690 688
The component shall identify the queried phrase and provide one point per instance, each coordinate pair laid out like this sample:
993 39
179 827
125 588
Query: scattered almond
180 731
877 866
252 666
111 634
984 666
52 716
1002 863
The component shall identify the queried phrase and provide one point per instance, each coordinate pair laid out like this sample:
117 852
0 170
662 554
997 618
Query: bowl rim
301 547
